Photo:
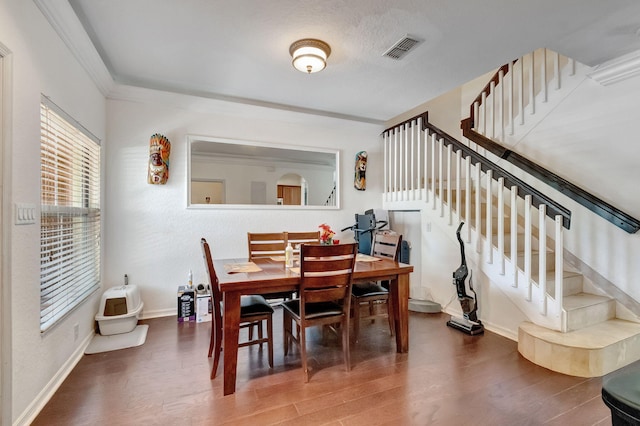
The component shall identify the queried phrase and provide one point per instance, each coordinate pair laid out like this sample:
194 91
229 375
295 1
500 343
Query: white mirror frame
198 138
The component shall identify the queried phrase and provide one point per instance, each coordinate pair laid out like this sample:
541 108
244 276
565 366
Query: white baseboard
158 313
508 334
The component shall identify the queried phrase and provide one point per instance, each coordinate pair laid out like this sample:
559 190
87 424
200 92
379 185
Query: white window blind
70 214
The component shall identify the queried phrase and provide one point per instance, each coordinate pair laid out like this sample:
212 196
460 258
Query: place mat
366 258
282 258
235 268
295 270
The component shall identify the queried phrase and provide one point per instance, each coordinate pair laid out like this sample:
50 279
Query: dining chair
373 294
268 244
324 297
297 238
254 310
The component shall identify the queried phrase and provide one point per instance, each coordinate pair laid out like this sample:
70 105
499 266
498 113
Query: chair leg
216 349
260 334
286 326
212 339
270 338
356 319
392 317
345 343
303 353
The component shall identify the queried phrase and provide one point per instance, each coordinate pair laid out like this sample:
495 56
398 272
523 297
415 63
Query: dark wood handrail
487 89
424 116
579 195
603 209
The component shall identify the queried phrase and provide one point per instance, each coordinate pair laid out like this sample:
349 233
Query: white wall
153 237
41 64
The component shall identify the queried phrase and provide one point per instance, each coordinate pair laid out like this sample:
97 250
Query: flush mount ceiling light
309 55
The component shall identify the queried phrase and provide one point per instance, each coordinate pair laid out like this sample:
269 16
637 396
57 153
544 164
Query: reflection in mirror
225 173
292 190
207 191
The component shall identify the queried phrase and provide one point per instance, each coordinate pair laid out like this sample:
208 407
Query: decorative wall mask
360 181
159 150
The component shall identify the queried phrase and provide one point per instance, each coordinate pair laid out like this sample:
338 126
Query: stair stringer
627 308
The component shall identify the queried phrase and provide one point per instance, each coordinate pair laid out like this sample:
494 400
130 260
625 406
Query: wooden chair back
326 273
386 245
297 238
215 343
266 244
216 297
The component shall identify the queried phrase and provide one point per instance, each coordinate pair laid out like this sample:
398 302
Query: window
70 214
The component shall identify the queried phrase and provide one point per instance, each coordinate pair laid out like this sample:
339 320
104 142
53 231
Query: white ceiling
239 49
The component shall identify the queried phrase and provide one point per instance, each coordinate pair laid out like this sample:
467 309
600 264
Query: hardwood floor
447 378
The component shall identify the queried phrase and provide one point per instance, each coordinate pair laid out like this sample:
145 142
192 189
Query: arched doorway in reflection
292 190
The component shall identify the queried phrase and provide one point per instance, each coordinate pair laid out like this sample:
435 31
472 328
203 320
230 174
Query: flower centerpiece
326 234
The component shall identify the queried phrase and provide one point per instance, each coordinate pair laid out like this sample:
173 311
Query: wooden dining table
274 277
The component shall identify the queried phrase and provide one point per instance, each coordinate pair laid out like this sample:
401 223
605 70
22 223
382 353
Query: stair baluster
542 257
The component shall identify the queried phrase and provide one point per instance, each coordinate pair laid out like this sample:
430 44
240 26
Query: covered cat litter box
117 319
119 310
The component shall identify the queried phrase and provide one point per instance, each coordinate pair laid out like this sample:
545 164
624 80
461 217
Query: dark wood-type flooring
447 378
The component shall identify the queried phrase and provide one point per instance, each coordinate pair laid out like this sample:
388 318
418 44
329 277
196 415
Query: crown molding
66 23
617 70
210 103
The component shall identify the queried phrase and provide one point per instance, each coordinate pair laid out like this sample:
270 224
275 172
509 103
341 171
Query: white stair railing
423 168
518 91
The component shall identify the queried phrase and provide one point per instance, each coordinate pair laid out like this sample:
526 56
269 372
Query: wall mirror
227 173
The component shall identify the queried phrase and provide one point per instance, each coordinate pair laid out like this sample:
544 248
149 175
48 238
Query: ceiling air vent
401 48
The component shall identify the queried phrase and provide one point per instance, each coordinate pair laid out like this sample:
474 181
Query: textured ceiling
239 49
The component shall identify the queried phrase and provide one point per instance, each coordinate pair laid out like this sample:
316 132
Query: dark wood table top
274 274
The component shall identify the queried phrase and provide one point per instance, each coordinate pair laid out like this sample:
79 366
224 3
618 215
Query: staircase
574 327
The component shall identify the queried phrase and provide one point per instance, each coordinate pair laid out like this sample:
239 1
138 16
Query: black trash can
621 393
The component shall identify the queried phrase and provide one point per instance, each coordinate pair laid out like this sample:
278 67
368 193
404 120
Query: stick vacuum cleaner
469 323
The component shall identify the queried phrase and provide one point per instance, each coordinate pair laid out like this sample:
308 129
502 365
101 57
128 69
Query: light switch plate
25 214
